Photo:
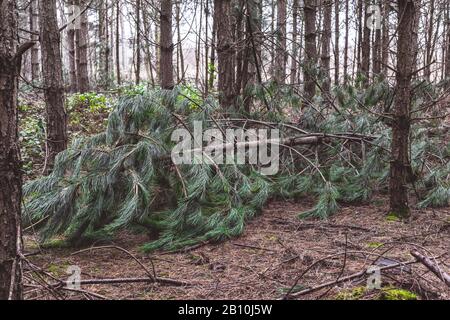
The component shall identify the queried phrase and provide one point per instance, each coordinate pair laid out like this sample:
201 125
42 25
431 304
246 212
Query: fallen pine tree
124 177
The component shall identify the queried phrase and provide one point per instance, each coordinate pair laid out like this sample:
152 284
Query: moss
55 243
392 217
397 294
353 294
374 244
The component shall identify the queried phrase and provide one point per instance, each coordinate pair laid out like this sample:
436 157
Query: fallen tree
124 177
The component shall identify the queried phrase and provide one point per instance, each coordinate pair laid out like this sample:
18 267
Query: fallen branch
433 267
347 278
167 281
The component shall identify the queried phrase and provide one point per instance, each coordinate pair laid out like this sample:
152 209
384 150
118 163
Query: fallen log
433 267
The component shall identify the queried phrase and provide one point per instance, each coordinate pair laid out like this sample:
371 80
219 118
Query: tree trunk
326 40
166 64
138 42
118 75
429 42
310 49
225 52
346 43
294 59
400 170
10 170
53 81
82 51
447 56
35 49
71 48
180 55
336 42
281 54
103 76
385 39
365 47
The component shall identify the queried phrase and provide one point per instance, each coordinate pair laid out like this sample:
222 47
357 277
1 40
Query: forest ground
274 250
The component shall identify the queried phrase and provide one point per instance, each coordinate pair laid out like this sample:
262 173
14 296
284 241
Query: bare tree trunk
166 64
429 42
138 42
385 39
281 54
73 84
35 49
53 81
180 55
10 168
104 45
358 47
336 42
310 49
365 48
294 59
212 59
82 51
376 53
346 43
447 56
326 40
225 52
400 170
118 75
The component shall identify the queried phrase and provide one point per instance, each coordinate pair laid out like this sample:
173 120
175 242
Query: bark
310 49
225 52
294 64
429 42
10 171
118 75
336 42
53 81
81 44
346 43
166 63
281 53
71 48
103 76
400 169
138 42
35 49
180 55
365 46
326 40
447 57
385 39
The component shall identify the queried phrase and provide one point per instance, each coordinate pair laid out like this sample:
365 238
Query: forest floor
272 253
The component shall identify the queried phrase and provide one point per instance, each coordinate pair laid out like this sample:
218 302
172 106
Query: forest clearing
224 150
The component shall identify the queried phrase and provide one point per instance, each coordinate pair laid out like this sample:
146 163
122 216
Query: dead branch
433 267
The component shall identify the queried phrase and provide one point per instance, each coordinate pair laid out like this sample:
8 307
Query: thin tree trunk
294 59
82 51
429 42
53 81
281 54
35 49
385 39
73 84
365 48
166 64
326 40
310 49
346 43
118 75
10 168
336 42
212 59
180 55
400 170
138 42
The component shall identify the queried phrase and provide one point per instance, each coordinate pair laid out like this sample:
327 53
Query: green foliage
123 177
89 101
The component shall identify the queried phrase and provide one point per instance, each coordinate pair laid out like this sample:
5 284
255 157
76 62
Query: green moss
392 217
397 294
374 244
55 243
353 294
